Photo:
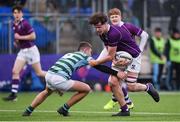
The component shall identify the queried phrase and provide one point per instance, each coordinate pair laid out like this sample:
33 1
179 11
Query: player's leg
37 101
82 90
133 86
37 68
113 101
53 82
118 93
35 61
126 97
18 65
132 75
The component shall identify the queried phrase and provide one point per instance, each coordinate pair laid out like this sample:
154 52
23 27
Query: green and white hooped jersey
69 63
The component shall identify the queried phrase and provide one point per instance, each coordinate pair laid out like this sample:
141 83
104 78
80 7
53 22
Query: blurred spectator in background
172 51
52 5
137 9
12 2
172 7
157 44
115 4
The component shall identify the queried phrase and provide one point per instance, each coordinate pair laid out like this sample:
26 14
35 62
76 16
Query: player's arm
144 37
109 57
31 36
106 69
134 30
103 53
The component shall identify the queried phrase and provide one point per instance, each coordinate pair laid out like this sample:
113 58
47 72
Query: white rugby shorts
30 55
57 82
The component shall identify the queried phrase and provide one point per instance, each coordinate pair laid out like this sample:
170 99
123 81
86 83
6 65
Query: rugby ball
122 55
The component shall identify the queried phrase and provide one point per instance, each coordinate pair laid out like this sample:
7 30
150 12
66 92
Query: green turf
91 108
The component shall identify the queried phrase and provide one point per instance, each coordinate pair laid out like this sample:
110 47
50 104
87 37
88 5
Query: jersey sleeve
28 27
133 29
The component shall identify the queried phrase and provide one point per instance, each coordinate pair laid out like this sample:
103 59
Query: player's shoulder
128 25
25 21
114 31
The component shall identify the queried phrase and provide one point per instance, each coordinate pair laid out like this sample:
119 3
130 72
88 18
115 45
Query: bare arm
108 57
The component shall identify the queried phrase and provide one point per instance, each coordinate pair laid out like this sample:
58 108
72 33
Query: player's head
175 33
157 32
85 47
114 15
99 21
17 13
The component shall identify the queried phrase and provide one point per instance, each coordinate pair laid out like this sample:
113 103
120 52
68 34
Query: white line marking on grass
95 112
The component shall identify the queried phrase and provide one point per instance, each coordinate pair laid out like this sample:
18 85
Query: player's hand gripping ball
122 58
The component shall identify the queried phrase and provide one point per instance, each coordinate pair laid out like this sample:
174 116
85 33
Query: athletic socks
124 108
126 97
15 86
66 107
29 109
147 89
114 98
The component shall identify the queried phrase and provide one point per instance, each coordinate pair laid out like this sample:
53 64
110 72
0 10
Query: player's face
88 51
177 35
17 15
100 28
115 19
158 34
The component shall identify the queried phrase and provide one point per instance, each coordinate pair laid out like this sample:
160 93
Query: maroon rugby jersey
24 28
123 38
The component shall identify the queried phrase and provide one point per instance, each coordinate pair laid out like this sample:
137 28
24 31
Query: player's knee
113 81
47 92
88 89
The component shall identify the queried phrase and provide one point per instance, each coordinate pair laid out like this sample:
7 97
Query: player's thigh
80 86
33 55
58 82
113 80
132 77
18 65
135 66
37 67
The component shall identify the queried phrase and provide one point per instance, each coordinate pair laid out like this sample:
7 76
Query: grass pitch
91 108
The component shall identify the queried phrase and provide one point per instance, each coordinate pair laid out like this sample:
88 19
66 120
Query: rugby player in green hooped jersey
58 78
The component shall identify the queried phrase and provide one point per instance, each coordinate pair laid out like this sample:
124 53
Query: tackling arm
106 69
120 74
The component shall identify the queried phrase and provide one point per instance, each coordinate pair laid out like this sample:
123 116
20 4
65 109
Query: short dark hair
174 30
157 29
98 18
83 45
19 8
